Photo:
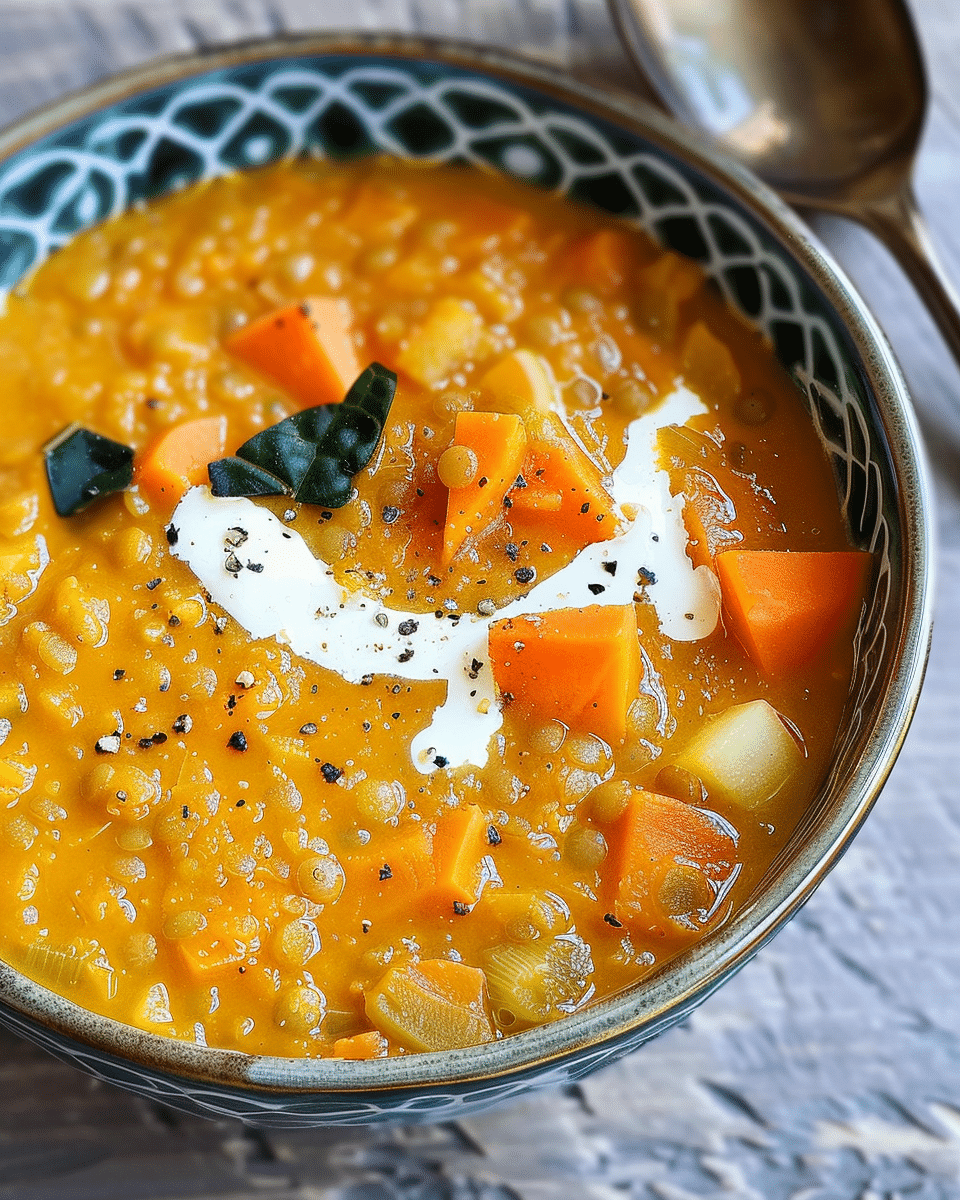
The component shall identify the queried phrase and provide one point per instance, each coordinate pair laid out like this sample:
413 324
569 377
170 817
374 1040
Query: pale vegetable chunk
743 755
432 1005
444 342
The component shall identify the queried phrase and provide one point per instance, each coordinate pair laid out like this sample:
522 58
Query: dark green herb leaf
234 477
314 454
82 466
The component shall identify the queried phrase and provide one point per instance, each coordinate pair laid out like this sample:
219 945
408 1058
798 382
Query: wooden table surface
830 1067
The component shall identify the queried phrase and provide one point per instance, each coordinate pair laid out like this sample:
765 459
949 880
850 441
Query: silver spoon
823 99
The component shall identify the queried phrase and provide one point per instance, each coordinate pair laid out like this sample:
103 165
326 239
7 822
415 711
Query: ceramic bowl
157 128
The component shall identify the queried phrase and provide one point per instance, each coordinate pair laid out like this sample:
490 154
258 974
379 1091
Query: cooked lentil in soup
528 714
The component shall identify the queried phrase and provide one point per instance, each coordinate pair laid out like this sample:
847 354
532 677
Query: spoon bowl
824 100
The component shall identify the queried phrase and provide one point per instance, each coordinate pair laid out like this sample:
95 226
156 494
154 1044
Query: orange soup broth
194 906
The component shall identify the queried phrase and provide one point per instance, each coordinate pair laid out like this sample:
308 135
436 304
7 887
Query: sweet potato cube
498 440
787 609
602 260
307 349
576 665
436 1004
564 501
666 855
361 1046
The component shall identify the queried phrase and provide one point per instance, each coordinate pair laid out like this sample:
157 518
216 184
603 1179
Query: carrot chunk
576 665
667 858
564 500
498 440
306 348
459 846
362 1045
786 608
436 1004
178 460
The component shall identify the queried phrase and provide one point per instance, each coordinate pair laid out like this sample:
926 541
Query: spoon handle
898 222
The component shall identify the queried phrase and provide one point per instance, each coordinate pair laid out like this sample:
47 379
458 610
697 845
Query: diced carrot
666 855
787 608
576 665
564 501
436 1004
498 440
306 348
459 846
602 260
362 1045
178 459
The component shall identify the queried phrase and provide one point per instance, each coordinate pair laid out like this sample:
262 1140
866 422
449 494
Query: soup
512 687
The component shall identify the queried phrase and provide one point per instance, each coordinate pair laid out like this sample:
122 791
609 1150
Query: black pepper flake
119 673
475 667
390 514
610 567
612 920
433 581
153 402
367 727
309 728
242 970
406 628
461 909
511 550
604 395
545 549
366 680
330 773
596 588
365 926
174 621
231 703
385 872
173 535
326 515
440 761
520 482
507 502
145 743
405 656
689 616
153 583
482 481
158 738
493 836
645 576
524 574
396 689
237 740
240 803
183 724
655 537
256 568
185 812
395 716
233 565
585 508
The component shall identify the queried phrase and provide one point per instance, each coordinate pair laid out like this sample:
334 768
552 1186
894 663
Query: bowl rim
682 983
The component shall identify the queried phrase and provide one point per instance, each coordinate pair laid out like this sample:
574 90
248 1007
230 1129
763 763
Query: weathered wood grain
830 1067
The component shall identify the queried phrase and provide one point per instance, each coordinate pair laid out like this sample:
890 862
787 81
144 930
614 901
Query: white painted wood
830 1067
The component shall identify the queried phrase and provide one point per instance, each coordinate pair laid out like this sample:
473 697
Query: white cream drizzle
296 598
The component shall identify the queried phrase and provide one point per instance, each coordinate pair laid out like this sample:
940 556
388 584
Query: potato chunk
432 1005
743 755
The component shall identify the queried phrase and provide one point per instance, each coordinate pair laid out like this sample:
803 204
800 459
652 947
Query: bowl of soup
465 560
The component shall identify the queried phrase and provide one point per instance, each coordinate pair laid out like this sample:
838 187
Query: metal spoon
824 99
